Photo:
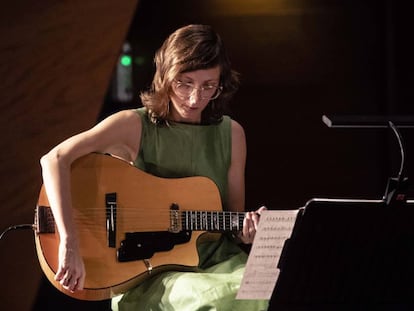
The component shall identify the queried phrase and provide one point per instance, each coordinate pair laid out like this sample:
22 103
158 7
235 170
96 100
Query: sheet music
261 272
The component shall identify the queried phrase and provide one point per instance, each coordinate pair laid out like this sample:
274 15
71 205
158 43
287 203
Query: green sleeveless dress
183 150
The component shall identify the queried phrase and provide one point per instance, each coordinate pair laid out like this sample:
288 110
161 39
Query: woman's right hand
71 269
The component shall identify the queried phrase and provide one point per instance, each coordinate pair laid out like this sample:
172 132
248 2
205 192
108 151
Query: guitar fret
192 221
198 220
215 221
187 221
235 221
203 224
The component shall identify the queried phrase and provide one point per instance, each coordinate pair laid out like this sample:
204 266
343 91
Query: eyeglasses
184 90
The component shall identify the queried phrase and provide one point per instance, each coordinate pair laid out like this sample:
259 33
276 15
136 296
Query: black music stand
348 255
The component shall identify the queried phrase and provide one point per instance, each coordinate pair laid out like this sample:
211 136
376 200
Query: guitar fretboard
212 221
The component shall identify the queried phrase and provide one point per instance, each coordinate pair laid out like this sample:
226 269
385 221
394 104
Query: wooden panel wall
56 59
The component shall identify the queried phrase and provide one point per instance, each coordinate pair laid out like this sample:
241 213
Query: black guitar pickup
143 245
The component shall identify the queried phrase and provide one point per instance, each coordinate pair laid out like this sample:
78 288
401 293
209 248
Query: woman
181 131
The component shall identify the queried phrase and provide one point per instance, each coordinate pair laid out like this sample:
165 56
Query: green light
126 60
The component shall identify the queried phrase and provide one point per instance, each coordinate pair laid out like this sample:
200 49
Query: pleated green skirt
213 287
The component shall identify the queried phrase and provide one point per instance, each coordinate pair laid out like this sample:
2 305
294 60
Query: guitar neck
211 220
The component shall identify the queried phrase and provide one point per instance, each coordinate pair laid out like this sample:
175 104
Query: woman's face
191 93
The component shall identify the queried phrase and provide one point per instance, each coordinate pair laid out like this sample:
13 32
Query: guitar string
132 210
135 214
187 218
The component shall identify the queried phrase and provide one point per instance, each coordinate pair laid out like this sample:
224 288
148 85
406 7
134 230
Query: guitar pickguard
143 245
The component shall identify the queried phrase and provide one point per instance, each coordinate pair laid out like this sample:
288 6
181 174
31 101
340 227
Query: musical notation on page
261 272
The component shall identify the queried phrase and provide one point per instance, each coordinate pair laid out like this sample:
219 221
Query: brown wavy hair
190 48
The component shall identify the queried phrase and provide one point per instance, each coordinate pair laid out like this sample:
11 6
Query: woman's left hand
250 223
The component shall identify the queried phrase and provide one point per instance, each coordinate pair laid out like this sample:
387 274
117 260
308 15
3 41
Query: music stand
348 253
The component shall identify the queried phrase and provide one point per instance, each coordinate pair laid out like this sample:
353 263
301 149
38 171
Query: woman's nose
194 96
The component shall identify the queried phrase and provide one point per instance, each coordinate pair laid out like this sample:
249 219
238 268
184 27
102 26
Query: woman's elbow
52 159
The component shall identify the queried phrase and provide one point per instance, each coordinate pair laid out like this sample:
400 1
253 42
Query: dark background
298 59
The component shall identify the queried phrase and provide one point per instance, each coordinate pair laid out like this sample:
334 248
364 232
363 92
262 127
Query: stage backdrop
56 59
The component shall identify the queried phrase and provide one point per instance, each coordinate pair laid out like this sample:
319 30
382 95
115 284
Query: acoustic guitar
131 225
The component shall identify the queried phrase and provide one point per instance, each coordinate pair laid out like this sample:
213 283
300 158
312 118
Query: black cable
16 227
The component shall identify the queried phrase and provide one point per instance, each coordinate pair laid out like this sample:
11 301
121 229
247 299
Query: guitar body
143 205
